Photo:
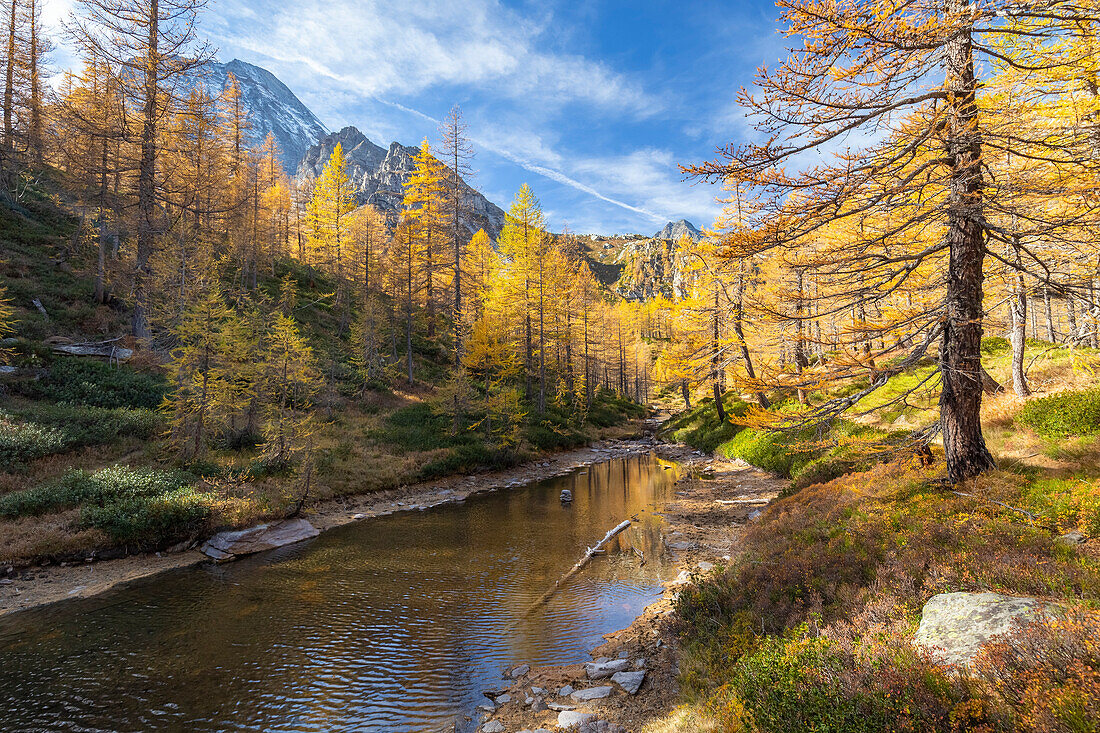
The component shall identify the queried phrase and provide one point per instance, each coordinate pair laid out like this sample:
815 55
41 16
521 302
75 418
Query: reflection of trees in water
380 620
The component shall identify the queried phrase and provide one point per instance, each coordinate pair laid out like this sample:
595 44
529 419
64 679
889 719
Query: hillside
75 427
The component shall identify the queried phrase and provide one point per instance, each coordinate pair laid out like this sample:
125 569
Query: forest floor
44 583
715 499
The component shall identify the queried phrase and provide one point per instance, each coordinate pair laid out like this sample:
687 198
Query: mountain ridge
379 175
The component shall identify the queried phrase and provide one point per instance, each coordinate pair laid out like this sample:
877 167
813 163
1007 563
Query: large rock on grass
954 626
229 545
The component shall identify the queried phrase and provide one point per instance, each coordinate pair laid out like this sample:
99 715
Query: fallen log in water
595 549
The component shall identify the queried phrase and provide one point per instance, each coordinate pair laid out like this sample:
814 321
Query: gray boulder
592 693
629 681
493 726
229 545
571 718
954 626
603 670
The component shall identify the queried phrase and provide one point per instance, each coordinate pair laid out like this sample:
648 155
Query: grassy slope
809 627
65 422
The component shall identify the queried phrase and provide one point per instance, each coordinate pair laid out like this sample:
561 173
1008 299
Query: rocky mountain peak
674 230
379 175
270 107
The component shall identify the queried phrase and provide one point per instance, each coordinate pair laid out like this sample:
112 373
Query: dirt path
25 588
715 499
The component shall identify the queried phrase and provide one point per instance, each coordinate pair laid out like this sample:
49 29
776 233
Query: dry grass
686 719
26 539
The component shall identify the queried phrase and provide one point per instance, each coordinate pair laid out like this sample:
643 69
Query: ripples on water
392 624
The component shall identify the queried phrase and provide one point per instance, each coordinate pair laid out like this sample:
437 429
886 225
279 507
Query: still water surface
391 624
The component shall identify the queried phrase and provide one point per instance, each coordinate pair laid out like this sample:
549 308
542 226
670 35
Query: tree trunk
1052 336
960 353
1018 306
686 393
7 149
146 187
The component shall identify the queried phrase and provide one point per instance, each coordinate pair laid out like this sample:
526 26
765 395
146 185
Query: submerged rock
954 626
229 545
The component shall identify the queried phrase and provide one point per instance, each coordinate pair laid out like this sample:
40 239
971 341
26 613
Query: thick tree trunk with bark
146 186
960 354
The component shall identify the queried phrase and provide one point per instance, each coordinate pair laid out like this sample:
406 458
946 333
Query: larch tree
905 78
425 205
329 219
522 241
152 45
456 152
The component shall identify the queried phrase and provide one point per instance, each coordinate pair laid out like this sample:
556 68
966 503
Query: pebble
560 706
1072 538
503 699
566 691
639 663
493 726
519 671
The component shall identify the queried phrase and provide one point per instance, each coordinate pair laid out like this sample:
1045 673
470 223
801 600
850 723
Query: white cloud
386 49
652 177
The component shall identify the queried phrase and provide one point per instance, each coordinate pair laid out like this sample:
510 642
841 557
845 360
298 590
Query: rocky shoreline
633 676
25 588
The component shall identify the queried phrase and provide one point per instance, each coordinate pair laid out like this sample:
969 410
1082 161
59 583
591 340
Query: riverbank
35 586
715 500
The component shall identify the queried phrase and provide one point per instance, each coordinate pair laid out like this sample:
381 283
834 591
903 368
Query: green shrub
826 468
802 682
150 521
780 453
44 430
700 427
1064 414
95 384
467 458
994 345
417 428
101 488
609 409
22 442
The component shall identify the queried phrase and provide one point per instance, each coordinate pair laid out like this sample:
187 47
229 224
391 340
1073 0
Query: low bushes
700 427
106 486
810 627
44 430
1069 503
145 507
94 384
1064 414
151 521
782 453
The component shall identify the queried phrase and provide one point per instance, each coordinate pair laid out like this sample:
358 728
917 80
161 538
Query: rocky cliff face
639 267
379 175
270 107
674 230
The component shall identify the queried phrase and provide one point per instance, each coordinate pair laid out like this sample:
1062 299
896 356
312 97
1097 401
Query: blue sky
593 103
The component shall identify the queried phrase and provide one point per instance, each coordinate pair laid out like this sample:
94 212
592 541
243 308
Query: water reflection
393 624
